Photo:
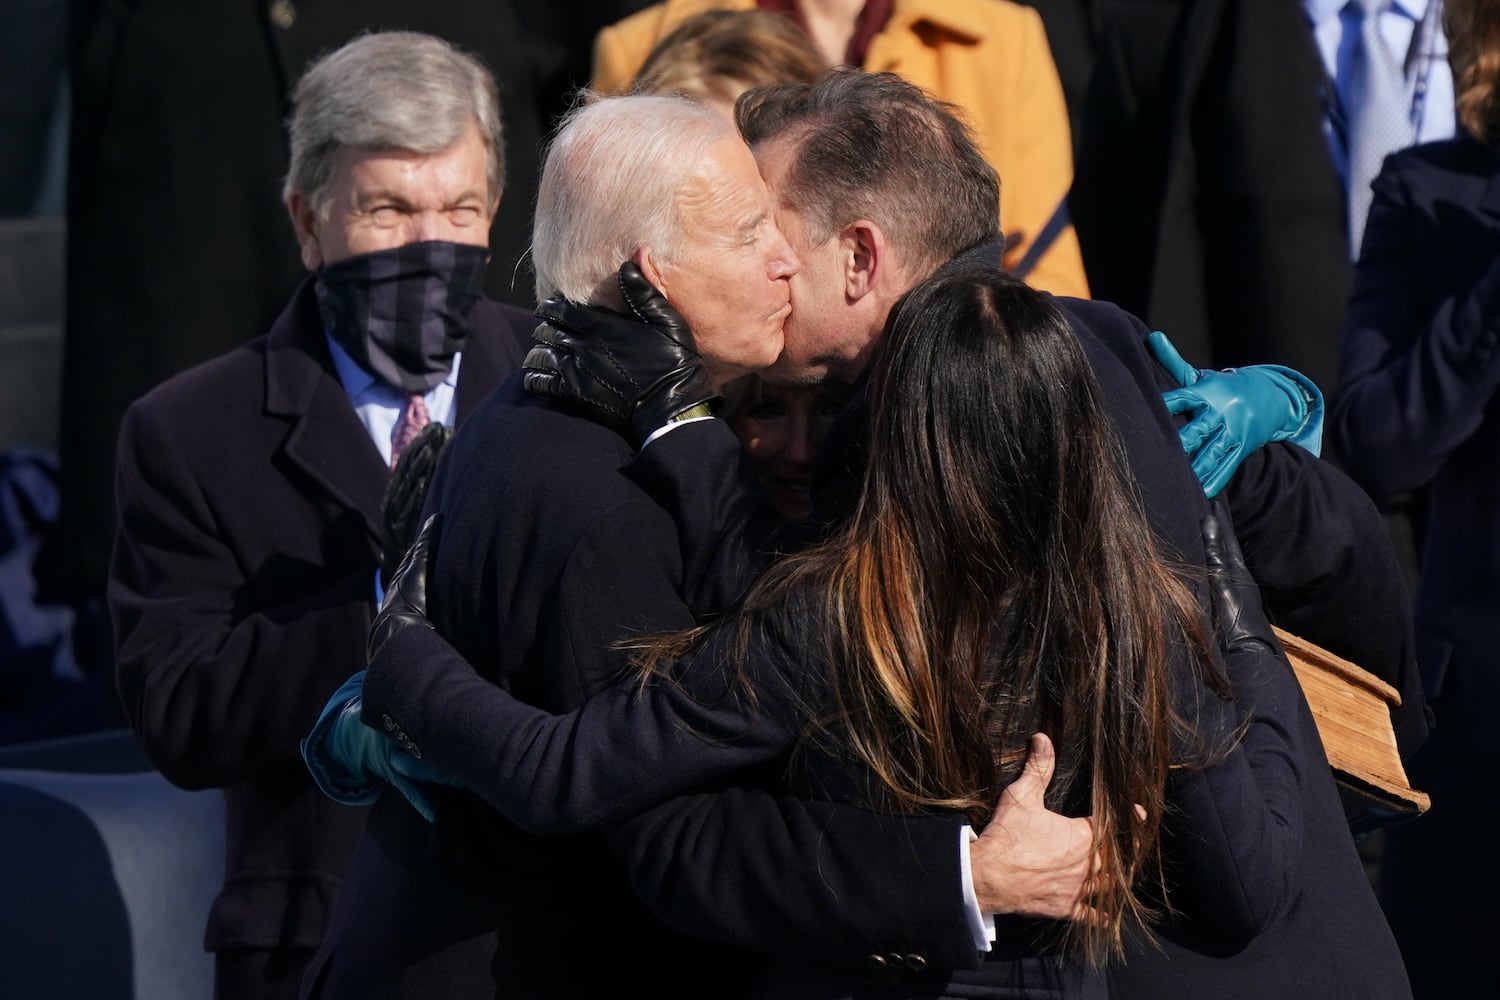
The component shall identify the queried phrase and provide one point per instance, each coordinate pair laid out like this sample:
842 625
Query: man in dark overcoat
176 249
250 487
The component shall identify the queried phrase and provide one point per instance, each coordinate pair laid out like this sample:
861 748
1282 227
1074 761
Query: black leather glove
405 604
401 509
632 375
1238 614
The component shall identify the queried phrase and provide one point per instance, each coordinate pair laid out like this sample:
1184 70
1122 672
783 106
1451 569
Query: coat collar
485 363
326 441
963 19
1487 163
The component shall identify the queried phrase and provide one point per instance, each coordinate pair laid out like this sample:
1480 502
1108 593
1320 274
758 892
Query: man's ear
651 270
304 224
867 258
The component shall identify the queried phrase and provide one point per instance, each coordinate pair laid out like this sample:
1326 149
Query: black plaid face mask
403 313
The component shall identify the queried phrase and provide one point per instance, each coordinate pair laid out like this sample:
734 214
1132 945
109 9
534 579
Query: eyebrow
367 198
469 195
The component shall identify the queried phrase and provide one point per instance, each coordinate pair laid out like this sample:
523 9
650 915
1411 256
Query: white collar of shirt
378 405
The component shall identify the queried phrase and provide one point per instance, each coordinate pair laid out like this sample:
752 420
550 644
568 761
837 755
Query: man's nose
784 262
426 226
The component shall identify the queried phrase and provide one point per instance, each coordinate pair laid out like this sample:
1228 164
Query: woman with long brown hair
996 581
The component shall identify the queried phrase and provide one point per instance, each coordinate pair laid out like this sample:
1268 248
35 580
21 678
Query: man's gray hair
610 187
390 90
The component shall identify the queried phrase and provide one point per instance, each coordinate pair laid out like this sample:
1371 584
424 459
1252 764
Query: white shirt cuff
981 925
667 427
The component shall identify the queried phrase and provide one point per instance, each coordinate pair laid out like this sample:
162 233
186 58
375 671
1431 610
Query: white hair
610 187
390 90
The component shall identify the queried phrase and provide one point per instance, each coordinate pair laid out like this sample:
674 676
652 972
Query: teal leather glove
1235 411
353 763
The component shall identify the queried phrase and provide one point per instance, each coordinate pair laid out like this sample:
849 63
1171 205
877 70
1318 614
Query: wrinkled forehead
724 191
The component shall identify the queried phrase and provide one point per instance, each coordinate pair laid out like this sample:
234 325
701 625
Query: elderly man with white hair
250 488
552 557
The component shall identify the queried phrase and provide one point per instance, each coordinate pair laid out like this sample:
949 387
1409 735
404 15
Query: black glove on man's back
634 375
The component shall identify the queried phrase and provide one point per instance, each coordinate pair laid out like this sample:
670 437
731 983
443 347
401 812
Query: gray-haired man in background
250 487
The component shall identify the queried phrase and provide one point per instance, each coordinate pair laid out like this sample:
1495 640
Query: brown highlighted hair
997 578
1473 28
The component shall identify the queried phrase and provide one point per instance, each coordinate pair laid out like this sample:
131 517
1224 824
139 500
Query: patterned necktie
413 419
1379 111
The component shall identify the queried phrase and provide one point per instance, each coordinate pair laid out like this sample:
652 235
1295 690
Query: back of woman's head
985 421
998 578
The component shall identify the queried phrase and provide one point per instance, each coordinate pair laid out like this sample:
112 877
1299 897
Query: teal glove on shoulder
1237 410
353 763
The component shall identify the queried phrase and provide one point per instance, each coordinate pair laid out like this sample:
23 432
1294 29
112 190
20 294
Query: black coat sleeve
1327 571
811 880
1233 840
740 864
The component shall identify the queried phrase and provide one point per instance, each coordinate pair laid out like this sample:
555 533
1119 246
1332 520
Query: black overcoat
242 588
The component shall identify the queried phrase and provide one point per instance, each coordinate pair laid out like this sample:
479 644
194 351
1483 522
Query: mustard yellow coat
989 57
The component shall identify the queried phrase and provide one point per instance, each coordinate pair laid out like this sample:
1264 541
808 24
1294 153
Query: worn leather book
1352 709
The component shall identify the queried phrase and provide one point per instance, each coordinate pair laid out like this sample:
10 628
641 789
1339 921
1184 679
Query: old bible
1352 709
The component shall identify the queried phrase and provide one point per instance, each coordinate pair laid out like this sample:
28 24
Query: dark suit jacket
178 244
1418 378
1416 412
549 555
1204 195
242 588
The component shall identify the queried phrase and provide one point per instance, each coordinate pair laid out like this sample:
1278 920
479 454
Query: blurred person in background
1415 412
1213 193
717 55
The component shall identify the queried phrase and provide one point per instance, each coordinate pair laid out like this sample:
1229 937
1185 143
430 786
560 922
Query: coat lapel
326 441
483 368
1489 157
